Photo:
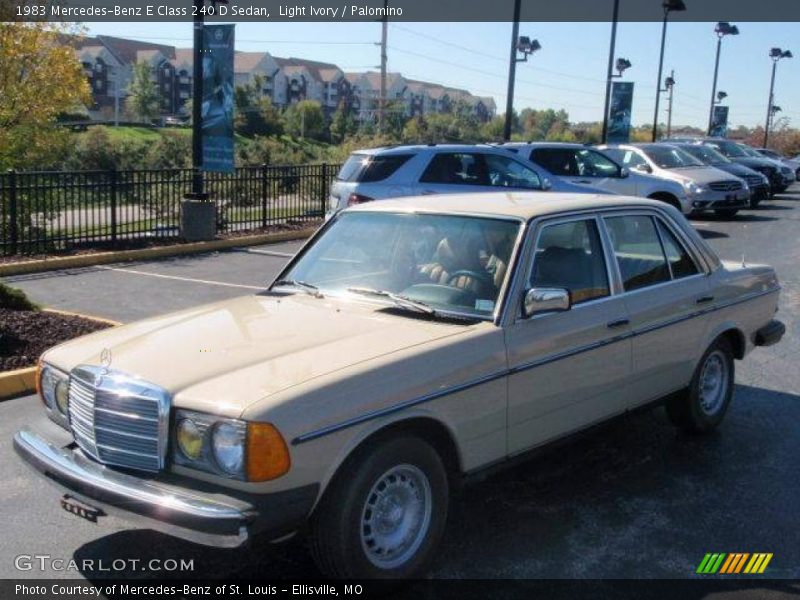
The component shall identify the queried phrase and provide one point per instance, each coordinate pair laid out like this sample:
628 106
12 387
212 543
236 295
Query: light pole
669 84
520 45
722 29
775 54
610 72
669 6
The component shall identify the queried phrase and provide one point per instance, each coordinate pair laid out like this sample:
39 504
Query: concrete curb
101 258
17 382
23 381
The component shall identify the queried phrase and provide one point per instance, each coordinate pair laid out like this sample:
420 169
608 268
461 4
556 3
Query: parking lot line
268 252
189 279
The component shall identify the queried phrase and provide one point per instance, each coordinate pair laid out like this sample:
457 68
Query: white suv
381 173
588 167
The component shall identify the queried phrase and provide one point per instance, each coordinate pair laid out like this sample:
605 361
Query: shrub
14 299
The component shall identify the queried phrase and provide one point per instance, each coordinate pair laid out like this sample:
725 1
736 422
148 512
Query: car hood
222 357
702 175
754 163
736 169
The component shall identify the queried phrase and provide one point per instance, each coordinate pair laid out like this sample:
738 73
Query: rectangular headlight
229 447
53 386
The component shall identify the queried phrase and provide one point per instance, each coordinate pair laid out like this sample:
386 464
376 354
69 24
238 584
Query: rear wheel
703 405
726 213
384 514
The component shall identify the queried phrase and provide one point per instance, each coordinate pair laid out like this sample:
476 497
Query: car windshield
706 154
750 151
447 263
729 149
671 157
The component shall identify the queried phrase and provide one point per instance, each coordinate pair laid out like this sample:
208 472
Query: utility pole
512 73
610 74
384 58
671 87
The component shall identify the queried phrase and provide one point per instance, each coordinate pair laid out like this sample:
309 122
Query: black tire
667 199
755 201
687 410
726 213
336 537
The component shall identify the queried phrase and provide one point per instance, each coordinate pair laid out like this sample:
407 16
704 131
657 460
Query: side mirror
544 300
546 184
644 168
624 172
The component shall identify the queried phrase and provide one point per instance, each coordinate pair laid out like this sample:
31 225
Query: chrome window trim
660 223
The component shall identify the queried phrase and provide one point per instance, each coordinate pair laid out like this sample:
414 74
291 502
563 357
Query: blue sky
567 73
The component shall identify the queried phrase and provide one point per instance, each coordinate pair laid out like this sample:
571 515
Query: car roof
545 145
514 205
406 148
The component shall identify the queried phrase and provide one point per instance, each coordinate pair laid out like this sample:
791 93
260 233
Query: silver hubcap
713 383
396 516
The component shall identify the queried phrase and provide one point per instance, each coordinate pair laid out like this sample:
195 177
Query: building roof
313 67
127 51
518 205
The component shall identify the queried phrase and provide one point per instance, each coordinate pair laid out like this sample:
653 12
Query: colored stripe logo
734 563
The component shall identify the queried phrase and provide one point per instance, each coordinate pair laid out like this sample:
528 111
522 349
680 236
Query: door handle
428 192
618 323
705 299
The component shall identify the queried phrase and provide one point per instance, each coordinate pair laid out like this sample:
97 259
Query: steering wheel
481 277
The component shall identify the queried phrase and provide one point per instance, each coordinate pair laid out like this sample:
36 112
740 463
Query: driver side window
570 256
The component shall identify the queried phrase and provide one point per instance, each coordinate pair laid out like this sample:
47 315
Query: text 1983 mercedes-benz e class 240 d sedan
409 343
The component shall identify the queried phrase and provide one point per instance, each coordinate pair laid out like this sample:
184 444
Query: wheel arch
735 336
424 425
667 197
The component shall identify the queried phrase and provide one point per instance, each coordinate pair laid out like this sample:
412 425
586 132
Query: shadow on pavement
710 234
631 499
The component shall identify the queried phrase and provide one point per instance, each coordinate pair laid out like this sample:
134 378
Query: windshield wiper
399 300
308 288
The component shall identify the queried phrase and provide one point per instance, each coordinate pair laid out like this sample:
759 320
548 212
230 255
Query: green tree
306 120
343 123
40 78
143 99
255 114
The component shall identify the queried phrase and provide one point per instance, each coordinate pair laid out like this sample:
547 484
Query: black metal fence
43 212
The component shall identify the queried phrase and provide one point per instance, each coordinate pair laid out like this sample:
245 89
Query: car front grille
117 419
754 181
725 186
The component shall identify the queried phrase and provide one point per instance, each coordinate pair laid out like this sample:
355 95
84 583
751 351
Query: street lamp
722 29
669 6
775 54
721 96
622 65
610 74
521 48
669 85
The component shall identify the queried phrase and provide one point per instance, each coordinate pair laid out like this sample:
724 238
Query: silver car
381 173
708 188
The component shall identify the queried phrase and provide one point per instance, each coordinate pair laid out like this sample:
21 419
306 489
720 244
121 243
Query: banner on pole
619 112
719 121
217 106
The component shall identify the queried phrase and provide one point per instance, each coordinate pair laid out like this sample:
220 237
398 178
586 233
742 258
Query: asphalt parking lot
634 499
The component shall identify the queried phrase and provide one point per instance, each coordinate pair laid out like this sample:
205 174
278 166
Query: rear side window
680 261
456 168
364 168
559 161
638 250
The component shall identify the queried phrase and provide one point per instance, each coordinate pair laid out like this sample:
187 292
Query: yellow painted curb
18 382
23 381
101 258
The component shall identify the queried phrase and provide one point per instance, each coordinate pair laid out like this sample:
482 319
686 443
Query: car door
454 172
584 167
567 369
665 288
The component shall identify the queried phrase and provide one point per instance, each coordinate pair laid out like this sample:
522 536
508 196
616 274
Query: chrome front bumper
208 518
721 200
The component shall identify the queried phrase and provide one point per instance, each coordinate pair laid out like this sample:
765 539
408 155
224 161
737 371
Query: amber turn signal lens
267 454
39 366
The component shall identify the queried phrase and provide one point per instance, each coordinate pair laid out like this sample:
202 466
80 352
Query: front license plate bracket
81 509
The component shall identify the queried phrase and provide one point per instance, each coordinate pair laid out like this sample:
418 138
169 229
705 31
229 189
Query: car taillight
354 199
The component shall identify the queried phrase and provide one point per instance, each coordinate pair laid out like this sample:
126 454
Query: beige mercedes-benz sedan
408 344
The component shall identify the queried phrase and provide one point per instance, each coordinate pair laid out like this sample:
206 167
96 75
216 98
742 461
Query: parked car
734 152
787 172
792 163
757 182
381 173
409 343
708 188
586 166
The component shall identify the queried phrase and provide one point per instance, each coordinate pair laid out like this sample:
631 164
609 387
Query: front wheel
726 213
703 405
384 514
